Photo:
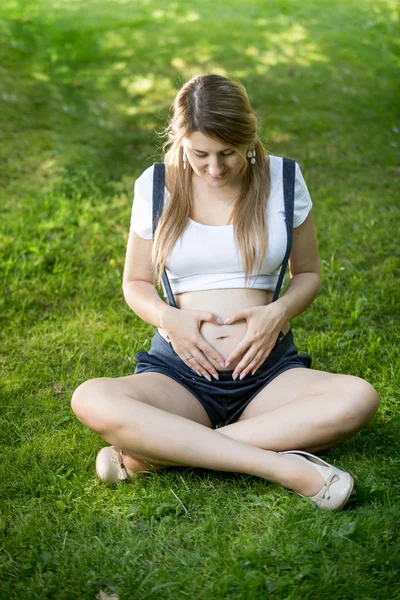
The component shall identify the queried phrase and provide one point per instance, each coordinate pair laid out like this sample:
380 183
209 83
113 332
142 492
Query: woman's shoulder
276 169
143 187
276 162
146 177
144 182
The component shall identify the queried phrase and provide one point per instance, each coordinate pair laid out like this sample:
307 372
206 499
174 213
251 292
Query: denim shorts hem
233 418
225 399
212 416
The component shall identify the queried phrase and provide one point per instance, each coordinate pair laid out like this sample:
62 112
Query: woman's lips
219 176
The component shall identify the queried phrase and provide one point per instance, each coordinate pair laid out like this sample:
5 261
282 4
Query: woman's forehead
200 141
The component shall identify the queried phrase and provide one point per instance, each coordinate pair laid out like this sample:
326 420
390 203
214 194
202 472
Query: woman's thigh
296 384
108 396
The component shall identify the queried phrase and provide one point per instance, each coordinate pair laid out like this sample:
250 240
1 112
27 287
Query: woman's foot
138 466
302 476
332 490
112 464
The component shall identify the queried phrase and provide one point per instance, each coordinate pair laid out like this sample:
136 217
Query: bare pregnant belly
223 303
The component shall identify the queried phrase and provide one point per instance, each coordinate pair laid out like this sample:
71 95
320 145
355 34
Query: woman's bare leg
305 409
152 434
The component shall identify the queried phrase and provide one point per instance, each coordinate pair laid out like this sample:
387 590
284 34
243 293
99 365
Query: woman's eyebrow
204 151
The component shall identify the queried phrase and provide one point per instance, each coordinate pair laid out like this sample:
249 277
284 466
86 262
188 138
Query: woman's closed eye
205 155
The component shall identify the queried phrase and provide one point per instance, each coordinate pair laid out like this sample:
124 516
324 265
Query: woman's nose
216 168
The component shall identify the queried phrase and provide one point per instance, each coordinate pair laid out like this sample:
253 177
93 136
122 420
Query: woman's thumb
213 317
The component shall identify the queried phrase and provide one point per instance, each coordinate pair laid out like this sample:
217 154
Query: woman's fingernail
227 364
226 321
222 364
234 377
220 321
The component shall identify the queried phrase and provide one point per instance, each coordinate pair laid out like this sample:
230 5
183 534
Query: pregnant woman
223 385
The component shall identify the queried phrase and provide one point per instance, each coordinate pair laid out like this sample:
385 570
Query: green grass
84 86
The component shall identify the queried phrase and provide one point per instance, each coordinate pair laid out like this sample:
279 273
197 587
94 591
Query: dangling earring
184 159
251 154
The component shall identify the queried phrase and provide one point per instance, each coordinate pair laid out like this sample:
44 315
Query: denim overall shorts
224 400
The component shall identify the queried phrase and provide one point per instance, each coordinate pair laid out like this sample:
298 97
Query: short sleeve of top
302 199
142 209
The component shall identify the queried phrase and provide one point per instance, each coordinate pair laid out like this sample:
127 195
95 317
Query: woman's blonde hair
218 108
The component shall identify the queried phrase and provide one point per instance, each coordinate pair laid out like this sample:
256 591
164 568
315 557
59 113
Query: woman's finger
195 366
266 353
255 368
260 362
242 365
200 364
250 363
211 352
239 351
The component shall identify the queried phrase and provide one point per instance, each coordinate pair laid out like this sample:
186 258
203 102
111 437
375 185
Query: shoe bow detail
325 492
110 465
122 473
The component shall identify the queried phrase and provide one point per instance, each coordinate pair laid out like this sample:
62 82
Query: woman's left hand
264 324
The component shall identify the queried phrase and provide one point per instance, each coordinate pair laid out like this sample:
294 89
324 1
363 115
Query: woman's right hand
183 328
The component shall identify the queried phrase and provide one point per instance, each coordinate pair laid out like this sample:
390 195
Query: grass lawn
84 89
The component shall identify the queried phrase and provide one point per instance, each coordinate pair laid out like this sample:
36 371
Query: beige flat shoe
110 465
337 486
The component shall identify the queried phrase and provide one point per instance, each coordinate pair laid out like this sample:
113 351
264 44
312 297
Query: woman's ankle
136 465
302 477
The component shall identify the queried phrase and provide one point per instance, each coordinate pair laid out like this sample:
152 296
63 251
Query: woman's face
214 162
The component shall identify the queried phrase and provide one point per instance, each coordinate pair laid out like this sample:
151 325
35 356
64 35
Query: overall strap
289 171
158 203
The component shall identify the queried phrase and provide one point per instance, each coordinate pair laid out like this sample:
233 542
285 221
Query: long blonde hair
218 108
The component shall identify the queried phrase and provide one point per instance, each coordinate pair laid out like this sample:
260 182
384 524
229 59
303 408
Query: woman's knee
358 404
92 402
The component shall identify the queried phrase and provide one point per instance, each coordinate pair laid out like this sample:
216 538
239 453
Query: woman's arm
305 272
138 282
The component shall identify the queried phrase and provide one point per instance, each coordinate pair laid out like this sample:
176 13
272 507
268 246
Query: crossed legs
154 419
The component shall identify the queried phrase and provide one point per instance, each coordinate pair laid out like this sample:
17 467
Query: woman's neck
225 195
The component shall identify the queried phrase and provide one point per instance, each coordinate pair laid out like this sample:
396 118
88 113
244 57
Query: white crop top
205 256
